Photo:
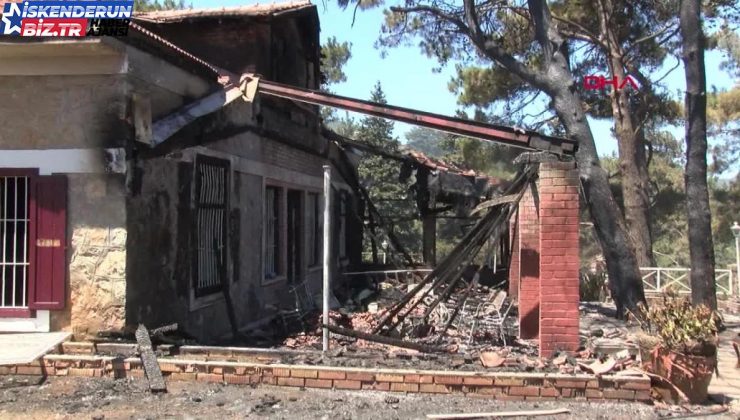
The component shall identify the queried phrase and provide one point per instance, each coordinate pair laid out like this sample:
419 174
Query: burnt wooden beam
384 340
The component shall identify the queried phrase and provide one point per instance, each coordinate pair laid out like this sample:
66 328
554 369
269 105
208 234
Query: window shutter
50 244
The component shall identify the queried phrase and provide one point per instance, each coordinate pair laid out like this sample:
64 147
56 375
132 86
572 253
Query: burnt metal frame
511 136
201 291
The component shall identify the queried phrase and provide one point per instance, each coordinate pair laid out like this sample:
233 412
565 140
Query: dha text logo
598 82
73 18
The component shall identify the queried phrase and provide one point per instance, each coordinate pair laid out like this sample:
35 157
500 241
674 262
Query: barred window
313 229
272 232
14 233
211 201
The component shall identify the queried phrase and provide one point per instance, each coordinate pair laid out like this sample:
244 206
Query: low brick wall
504 386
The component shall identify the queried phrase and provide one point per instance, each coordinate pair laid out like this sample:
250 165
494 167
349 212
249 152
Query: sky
407 77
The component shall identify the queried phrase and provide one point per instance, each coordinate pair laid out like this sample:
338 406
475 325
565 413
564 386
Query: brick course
529 266
505 386
559 258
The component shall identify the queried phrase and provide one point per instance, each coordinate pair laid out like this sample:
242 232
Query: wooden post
327 256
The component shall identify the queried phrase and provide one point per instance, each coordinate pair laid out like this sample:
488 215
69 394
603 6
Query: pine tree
380 176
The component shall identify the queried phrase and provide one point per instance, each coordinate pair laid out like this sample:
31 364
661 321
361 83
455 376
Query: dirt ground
105 398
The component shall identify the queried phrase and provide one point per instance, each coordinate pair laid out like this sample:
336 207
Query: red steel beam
500 134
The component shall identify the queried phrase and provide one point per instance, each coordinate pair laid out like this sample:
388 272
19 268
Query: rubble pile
437 329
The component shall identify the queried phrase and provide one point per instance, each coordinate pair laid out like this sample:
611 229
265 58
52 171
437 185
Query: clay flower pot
690 373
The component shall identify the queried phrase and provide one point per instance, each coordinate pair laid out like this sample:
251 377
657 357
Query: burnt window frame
277 234
211 289
315 246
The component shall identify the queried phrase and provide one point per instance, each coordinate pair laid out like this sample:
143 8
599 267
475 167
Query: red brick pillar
529 272
559 263
514 261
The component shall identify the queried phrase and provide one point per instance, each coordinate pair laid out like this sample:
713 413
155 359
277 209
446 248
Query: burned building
112 217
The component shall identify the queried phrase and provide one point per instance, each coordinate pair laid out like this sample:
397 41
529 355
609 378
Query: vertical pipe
327 255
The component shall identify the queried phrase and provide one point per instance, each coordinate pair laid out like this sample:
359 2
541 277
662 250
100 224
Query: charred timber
385 340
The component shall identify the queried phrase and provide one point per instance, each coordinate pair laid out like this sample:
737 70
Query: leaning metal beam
500 134
167 126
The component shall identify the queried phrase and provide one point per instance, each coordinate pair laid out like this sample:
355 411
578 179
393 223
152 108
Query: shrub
680 326
593 286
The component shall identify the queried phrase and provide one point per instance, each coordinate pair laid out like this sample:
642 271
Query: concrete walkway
726 387
21 348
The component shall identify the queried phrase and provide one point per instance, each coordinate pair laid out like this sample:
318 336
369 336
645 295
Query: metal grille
211 203
313 219
272 232
14 224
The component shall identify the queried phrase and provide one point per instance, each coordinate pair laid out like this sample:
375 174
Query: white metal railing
660 279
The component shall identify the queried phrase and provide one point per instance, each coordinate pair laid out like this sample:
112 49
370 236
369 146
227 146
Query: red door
32 242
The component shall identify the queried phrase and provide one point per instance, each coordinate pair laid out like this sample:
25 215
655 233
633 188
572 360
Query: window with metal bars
14 233
313 229
272 232
211 202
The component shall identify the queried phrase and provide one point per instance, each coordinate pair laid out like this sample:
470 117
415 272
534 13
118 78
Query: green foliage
483 157
728 41
334 55
678 324
723 115
668 206
380 176
426 140
345 126
480 86
593 286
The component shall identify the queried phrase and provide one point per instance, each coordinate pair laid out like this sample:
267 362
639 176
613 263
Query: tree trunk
701 246
625 281
631 145
624 274
555 78
635 180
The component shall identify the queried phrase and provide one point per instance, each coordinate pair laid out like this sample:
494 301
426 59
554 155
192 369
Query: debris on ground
491 359
497 414
79 397
149 360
